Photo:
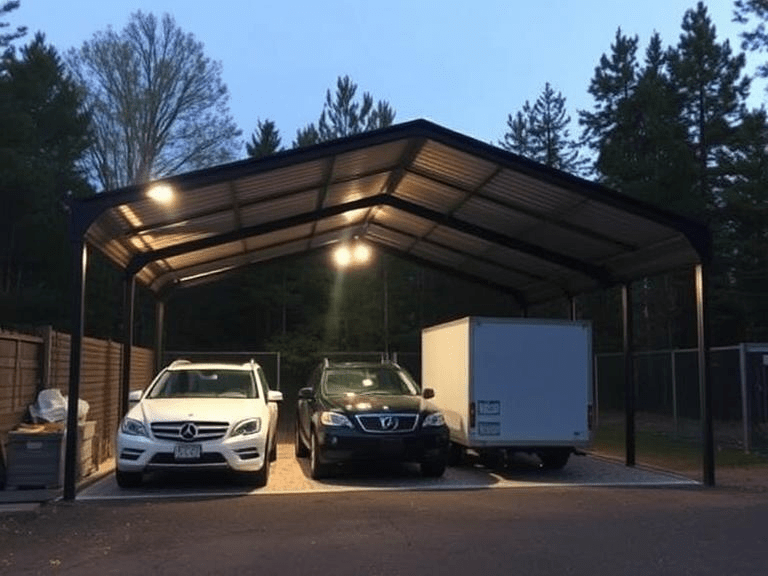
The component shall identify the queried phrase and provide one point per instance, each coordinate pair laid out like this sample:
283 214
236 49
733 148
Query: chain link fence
667 392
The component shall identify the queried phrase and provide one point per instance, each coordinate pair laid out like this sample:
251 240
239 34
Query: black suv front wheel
432 468
317 468
300 448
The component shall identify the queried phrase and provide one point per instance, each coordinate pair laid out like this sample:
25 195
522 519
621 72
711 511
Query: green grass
666 451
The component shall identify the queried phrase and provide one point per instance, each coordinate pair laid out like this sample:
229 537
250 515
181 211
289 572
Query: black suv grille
386 423
197 432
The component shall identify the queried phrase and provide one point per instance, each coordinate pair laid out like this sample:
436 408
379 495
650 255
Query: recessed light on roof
162 193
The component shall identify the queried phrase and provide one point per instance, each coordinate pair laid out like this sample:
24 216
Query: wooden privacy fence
30 363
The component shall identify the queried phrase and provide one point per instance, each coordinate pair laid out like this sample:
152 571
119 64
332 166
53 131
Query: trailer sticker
489 429
489 407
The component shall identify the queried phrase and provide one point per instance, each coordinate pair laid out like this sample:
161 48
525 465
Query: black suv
368 411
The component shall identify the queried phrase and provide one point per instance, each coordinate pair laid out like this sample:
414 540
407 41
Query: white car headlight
133 427
335 419
247 427
434 419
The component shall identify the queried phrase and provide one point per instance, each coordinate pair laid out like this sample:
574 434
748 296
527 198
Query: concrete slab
291 475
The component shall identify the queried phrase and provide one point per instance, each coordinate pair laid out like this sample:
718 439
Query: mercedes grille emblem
388 422
188 431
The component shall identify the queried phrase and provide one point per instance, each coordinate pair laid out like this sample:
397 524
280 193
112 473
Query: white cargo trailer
512 385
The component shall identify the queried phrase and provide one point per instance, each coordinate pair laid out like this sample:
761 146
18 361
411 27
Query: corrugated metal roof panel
185 231
279 237
438 254
534 266
619 223
491 215
389 237
352 218
326 238
447 164
278 208
429 193
281 181
206 255
518 189
402 221
650 259
461 241
367 160
572 243
471 200
183 205
343 192
496 274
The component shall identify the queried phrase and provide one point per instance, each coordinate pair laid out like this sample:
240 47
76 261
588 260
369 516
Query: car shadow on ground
471 470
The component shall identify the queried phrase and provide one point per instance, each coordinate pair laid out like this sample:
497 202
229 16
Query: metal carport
416 189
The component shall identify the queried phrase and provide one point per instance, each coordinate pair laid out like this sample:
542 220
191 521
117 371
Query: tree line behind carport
670 126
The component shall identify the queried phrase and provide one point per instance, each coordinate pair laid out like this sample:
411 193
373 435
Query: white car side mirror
275 396
134 396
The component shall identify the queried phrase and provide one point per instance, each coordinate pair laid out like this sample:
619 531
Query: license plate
187 451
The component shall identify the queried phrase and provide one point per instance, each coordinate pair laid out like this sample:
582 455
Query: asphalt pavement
529 527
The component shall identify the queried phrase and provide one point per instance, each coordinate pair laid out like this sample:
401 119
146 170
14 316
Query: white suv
200 416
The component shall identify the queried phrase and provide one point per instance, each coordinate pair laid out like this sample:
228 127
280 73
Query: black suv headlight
433 419
329 418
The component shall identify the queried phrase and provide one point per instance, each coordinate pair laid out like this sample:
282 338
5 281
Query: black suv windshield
205 384
383 380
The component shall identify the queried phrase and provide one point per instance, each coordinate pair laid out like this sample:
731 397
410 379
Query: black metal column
629 375
159 330
705 391
129 293
79 268
572 307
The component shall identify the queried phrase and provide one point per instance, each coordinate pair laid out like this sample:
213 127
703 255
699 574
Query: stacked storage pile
35 454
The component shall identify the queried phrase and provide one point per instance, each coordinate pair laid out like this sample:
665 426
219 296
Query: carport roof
415 189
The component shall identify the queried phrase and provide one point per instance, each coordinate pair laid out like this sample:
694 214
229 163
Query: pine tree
306 136
7 37
613 83
605 128
540 132
712 92
517 139
45 132
658 164
756 39
265 141
343 115
743 235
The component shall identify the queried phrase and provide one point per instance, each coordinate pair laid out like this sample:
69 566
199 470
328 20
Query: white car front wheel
128 479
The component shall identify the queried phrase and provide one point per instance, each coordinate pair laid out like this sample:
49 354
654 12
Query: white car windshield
205 384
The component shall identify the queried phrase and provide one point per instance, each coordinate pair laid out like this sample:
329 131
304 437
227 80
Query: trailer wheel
493 458
456 454
554 458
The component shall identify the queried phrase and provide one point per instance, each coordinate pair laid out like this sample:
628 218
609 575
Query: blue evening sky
464 65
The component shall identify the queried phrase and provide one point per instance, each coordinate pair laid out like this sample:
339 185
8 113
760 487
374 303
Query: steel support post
79 268
629 374
129 295
705 391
